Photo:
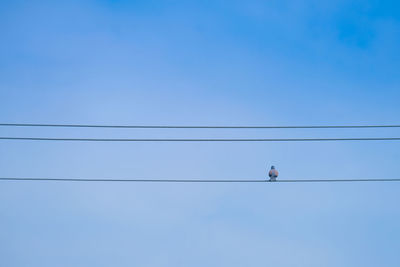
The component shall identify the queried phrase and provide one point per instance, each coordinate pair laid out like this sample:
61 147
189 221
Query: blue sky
199 62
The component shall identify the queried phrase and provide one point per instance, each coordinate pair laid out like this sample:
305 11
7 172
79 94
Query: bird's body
273 174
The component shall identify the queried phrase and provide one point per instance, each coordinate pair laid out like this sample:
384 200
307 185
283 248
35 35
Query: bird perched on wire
273 174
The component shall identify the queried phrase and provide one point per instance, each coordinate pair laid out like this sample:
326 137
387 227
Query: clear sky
199 62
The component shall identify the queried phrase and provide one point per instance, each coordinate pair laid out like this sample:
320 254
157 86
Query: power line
201 140
196 180
194 126
337 180
132 180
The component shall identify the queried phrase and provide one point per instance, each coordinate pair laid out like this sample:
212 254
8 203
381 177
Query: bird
273 174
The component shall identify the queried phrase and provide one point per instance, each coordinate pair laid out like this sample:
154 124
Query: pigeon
273 174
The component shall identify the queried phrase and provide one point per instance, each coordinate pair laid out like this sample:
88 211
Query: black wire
338 180
132 180
201 140
194 126
196 180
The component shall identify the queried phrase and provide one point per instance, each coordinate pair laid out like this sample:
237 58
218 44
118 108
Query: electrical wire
197 180
132 180
194 126
200 140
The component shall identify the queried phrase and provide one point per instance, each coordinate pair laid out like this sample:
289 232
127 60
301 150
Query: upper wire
194 126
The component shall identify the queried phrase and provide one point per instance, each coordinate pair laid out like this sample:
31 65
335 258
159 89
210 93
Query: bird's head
272 167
